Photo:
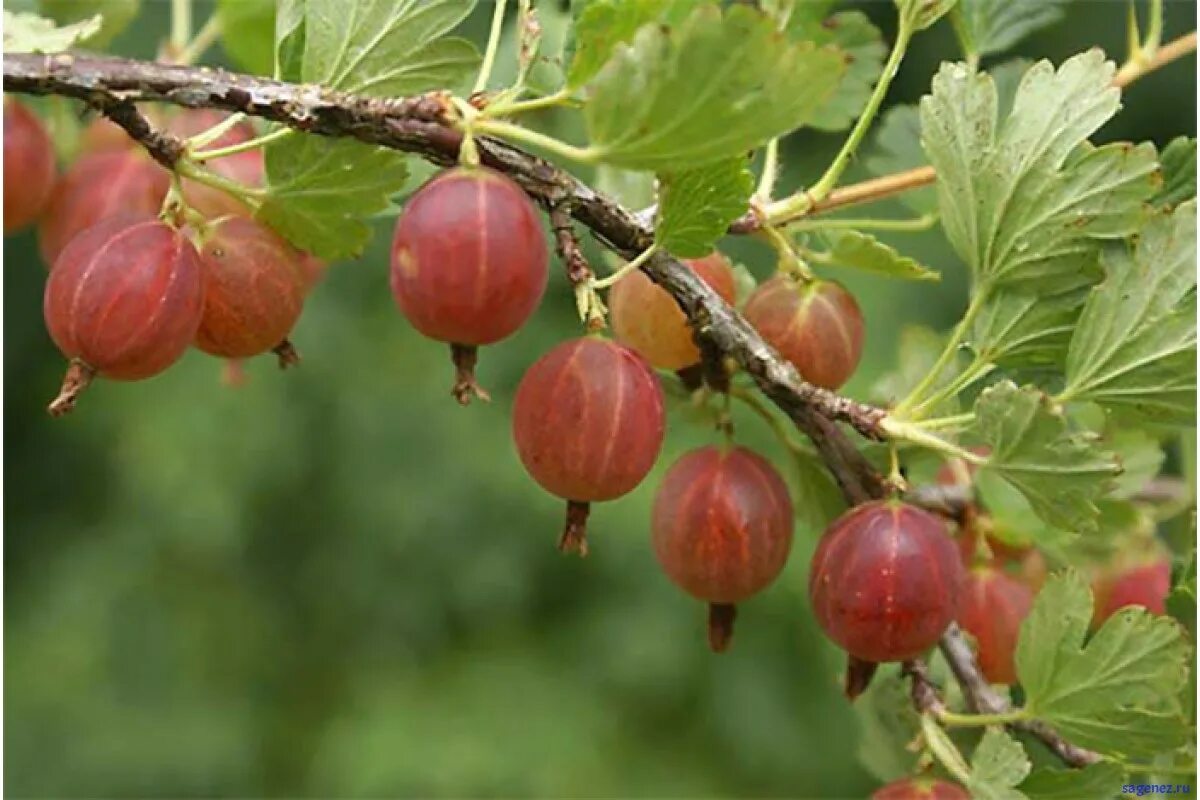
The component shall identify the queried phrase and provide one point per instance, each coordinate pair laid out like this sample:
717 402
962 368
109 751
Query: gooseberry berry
722 528
921 789
588 424
885 581
816 325
645 317
254 289
1144 583
98 186
123 301
991 609
469 264
29 169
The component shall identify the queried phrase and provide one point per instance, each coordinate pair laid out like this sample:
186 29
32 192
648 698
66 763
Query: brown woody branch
425 125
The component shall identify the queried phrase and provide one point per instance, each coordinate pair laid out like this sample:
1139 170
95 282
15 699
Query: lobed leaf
696 206
998 764
1115 695
1019 329
853 34
863 251
385 48
1135 346
1178 164
887 724
1062 474
714 87
321 190
1094 780
993 26
1023 201
29 33
604 24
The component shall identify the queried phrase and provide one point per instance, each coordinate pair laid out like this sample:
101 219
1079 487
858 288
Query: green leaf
1061 473
1018 329
248 33
386 48
863 251
1141 458
696 206
1014 521
1094 780
887 724
1117 694
998 764
320 191
919 349
816 497
993 26
29 33
115 15
1135 346
924 12
604 24
1178 164
290 30
712 88
1181 602
853 34
1021 201
897 148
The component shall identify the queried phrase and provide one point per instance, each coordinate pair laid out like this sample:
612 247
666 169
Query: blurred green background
336 582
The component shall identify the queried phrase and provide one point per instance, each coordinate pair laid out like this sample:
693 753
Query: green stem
242 147
942 423
205 138
980 720
493 44
770 171
1133 36
208 34
944 750
801 202
248 195
559 98
629 267
918 435
1154 31
789 261
905 406
181 25
506 130
975 371
921 223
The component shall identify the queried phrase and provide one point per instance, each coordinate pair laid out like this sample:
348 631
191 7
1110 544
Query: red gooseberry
254 290
29 168
97 186
816 325
1144 583
992 607
123 301
469 264
588 424
921 789
722 528
885 581
645 317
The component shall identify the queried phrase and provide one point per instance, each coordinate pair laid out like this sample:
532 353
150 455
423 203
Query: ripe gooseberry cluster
138 275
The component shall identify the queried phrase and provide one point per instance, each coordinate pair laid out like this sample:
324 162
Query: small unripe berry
722 528
588 424
1141 583
254 289
469 263
124 300
991 609
817 326
98 186
29 169
885 581
645 317
921 789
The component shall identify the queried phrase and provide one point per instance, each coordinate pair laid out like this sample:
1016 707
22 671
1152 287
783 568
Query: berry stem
465 387
242 147
77 378
720 625
627 268
790 261
574 535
